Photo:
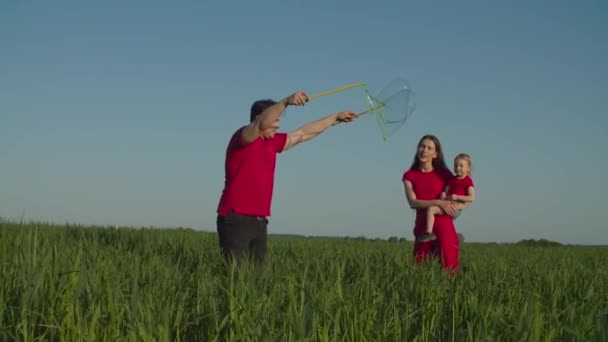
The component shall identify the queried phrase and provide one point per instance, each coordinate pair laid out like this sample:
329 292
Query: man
245 203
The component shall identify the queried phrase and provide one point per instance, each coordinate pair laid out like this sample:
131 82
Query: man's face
269 132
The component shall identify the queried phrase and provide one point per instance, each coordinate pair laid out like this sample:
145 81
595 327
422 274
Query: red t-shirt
460 187
250 175
427 186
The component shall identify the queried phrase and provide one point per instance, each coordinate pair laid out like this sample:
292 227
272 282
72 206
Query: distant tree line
392 239
402 239
538 243
528 242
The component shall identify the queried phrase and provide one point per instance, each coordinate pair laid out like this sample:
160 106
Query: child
461 189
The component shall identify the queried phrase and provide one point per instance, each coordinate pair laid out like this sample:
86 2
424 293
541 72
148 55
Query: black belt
259 218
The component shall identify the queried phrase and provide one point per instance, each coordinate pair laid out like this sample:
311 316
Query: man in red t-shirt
244 206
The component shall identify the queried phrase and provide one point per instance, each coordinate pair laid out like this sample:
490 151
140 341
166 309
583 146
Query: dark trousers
242 237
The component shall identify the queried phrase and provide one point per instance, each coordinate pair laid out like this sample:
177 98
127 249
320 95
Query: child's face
461 167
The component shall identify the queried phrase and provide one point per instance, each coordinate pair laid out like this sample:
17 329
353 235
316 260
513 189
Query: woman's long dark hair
439 162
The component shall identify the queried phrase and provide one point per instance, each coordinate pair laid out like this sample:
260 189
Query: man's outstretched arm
314 128
269 116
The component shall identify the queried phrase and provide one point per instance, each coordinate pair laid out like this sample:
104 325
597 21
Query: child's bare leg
430 221
430 217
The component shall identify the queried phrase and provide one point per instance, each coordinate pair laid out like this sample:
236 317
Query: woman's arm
410 195
415 203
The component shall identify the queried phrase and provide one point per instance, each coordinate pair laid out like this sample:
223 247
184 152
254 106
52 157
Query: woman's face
426 151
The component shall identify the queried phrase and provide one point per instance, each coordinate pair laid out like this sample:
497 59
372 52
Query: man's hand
453 197
346 116
298 98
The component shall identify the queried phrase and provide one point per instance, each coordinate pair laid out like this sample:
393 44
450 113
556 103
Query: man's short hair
259 106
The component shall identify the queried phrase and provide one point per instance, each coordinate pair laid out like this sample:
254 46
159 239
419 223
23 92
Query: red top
460 187
427 186
250 175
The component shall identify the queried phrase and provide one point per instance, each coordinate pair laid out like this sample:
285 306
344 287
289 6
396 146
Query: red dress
429 186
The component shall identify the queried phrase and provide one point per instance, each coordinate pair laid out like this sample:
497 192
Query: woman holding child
425 183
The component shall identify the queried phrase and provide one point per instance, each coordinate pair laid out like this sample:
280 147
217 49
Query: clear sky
118 112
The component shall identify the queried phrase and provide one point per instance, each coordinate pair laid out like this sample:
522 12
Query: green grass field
103 284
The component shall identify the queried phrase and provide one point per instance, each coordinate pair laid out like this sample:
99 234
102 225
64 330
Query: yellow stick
365 112
337 90
371 109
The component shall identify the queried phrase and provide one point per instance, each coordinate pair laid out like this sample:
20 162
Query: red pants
445 247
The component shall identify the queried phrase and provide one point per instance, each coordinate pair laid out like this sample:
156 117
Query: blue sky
118 113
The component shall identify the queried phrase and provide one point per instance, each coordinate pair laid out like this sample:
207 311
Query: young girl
461 189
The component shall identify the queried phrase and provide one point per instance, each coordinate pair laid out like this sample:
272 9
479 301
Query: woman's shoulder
410 175
414 174
445 174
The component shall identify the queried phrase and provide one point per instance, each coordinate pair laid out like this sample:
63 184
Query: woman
424 182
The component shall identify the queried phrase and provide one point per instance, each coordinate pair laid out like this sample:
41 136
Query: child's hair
466 158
